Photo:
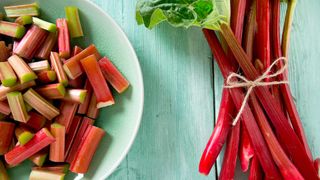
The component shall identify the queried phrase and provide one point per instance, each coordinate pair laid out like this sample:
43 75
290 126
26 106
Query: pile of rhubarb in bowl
50 93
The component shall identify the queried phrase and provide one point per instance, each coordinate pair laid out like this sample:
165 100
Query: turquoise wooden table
183 88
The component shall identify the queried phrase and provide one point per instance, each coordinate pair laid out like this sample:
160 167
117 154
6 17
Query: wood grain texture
181 93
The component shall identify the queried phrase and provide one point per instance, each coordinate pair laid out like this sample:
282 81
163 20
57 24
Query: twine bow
235 80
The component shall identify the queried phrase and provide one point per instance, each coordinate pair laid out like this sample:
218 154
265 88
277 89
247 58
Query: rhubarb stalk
22 10
39 66
49 175
246 151
72 133
230 155
40 157
63 38
86 150
93 111
7 75
74 23
84 106
6 136
47 77
47 46
219 134
21 68
18 154
17 87
288 26
57 66
44 24
57 148
75 95
14 30
255 170
52 91
272 108
17 106
95 76
36 121
67 112
23 135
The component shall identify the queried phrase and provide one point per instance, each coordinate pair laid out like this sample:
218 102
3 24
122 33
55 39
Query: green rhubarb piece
22 10
74 23
23 20
7 75
28 77
25 137
17 106
44 24
12 29
52 75
61 89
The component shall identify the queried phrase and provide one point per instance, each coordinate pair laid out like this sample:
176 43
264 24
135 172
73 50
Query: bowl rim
140 77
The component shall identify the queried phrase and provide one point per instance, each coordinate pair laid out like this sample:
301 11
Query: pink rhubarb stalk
63 38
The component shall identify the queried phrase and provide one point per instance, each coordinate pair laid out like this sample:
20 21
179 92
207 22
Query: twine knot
235 80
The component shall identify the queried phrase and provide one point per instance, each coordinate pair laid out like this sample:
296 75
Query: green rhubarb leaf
183 13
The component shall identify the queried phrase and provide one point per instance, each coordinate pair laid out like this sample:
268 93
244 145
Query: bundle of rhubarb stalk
244 36
50 95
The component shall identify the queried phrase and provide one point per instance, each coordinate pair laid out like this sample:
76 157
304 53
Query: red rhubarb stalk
249 32
287 169
57 148
263 32
73 66
113 75
246 151
67 112
63 38
93 111
31 42
84 106
219 134
100 86
317 166
36 121
257 140
47 46
79 136
72 133
4 108
76 50
6 136
52 91
230 155
57 67
42 139
272 108
255 170
47 77
86 150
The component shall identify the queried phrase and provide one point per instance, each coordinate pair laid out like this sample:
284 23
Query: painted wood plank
178 114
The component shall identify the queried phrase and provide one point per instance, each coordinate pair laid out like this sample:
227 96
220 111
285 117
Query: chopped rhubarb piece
63 38
255 170
47 47
79 136
73 66
3 172
246 151
39 66
17 87
40 157
95 76
57 148
21 68
44 24
4 108
17 106
5 51
40 104
67 112
86 150
74 23
14 30
75 95
30 43
83 108
76 50
57 66
47 175
21 10
219 134
52 91
93 111
23 135
47 77
77 83
113 75
230 155
6 136
72 133
63 168
7 75
24 20
20 153
36 121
